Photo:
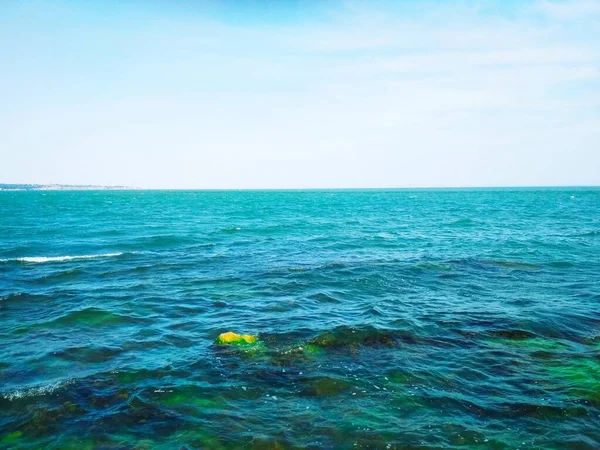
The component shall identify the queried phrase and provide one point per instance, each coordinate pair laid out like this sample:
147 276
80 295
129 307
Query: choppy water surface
386 319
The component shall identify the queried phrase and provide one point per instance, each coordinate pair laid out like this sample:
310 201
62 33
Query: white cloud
570 9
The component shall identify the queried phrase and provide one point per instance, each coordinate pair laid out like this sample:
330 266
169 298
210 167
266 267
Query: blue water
406 319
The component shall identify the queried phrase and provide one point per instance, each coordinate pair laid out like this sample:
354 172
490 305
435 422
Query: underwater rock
233 338
348 337
514 334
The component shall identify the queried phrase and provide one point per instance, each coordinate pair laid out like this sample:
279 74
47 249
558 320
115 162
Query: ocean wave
591 233
91 317
45 259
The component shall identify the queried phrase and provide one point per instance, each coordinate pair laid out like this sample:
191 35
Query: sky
240 94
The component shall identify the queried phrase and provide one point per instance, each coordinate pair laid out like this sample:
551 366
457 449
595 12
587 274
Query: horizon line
81 187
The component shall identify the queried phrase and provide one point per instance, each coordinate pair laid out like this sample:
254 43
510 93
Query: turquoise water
407 319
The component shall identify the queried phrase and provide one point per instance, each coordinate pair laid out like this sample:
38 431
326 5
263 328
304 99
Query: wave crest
15 394
44 259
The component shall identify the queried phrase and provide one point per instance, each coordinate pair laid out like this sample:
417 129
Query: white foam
44 259
16 394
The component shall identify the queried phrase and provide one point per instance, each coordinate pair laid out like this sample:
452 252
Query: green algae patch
516 265
401 377
460 436
74 443
130 377
182 399
11 438
290 356
429 266
199 438
185 397
594 343
44 418
536 344
352 338
236 339
540 348
144 444
267 444
580 377
406 402
514 334
88 318
547 412
326 340
325 387
313 349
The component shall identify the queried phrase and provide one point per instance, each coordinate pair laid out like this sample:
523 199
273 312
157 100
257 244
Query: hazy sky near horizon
300 94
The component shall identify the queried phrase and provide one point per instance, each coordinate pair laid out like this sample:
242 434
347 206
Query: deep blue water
408 319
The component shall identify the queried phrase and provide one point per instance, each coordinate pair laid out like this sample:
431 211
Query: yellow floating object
233 338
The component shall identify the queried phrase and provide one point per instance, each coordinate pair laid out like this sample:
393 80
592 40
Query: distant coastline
61 187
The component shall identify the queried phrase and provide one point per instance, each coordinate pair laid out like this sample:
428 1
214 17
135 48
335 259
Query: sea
384 319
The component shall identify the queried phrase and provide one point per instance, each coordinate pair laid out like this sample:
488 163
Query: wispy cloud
570 9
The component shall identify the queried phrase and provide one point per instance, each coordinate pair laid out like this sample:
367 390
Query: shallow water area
384 319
